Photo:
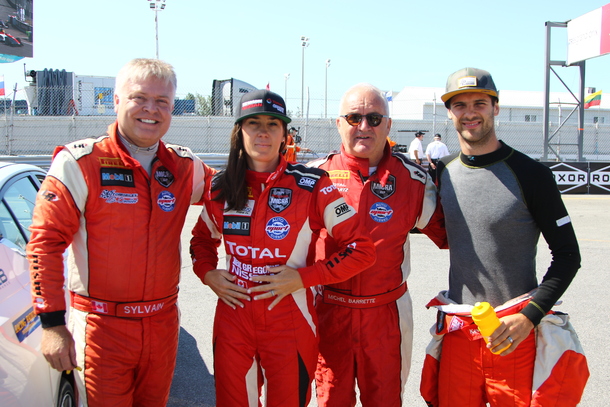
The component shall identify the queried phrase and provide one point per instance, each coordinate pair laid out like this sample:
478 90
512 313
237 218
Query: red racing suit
124 228
366 322
557 377
284 215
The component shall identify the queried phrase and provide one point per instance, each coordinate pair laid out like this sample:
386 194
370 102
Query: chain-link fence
36 131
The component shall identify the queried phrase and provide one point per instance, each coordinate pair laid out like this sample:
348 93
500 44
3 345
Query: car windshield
16 212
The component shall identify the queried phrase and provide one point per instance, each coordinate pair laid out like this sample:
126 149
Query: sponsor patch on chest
113 162
117 177
118 197
339 174
246 211
279 199
381 212
236 225
277 228
384 191
166 201
164 177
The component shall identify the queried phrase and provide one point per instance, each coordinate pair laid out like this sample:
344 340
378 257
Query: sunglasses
373 119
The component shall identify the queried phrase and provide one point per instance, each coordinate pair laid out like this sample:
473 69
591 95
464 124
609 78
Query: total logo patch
277 228
166 201
381 212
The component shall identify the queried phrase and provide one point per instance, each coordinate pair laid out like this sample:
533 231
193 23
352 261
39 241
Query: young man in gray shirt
497 202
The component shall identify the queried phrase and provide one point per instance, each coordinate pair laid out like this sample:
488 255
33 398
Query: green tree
203 104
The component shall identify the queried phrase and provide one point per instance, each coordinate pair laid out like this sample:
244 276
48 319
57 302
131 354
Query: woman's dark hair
231 182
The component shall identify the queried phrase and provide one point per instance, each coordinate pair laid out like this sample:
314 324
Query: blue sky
389 43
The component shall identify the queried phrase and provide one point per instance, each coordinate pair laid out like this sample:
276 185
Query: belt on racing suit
352 301
447 322
138 309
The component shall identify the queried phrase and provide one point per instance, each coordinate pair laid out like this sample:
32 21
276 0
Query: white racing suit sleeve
560 369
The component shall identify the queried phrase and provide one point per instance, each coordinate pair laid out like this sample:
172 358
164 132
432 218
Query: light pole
157 5
286 76
304 44
326 87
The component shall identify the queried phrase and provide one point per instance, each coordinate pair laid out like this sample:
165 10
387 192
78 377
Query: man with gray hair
119 202
366 322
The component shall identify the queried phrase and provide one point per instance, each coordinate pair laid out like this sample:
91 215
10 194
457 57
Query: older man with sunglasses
366 323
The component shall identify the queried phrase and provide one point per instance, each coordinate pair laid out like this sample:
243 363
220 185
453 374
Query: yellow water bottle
486 319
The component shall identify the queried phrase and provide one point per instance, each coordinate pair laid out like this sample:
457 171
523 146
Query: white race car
26 379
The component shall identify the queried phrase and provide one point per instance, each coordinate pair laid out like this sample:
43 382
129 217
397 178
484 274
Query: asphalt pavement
193 383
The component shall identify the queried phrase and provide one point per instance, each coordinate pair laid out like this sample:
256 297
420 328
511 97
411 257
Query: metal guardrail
44 161
217 161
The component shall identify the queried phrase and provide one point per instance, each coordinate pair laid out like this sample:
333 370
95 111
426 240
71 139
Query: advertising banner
589 35
599 178
581 177
571 178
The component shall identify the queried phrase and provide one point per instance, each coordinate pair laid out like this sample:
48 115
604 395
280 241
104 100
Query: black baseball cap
419 133
262 102
469 80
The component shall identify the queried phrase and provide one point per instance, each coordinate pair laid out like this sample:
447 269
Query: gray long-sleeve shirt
496 205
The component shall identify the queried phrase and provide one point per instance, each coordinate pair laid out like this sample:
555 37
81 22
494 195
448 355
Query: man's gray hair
369 88
144 68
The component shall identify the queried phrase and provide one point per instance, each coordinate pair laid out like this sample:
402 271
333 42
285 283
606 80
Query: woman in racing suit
270 213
